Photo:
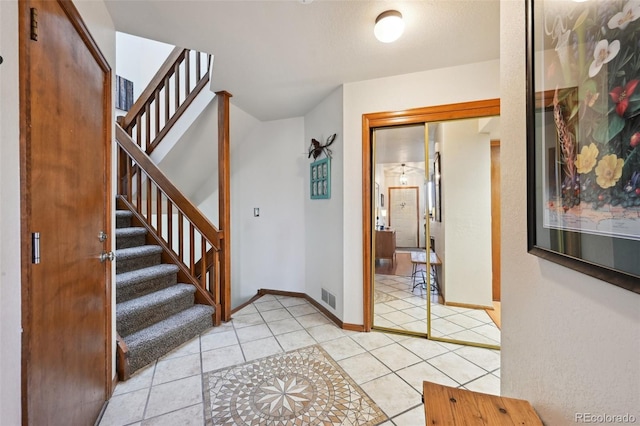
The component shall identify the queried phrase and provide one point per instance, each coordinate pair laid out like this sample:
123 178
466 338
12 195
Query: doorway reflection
400 297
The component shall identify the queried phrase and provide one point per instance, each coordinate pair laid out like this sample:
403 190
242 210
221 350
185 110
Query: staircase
172 274
154 313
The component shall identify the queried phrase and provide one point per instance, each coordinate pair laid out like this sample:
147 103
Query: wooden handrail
176 56
183 107
185 206
166 98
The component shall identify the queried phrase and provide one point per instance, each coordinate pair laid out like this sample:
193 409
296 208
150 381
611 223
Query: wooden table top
444 405
421 257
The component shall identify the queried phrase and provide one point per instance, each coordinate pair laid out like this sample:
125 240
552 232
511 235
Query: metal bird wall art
316 148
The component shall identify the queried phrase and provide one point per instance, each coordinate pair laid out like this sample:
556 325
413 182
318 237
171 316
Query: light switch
256 211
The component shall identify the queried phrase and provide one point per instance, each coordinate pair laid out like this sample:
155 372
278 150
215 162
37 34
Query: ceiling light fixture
403 178
389 26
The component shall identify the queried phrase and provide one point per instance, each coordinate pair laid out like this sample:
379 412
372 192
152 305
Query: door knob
110 256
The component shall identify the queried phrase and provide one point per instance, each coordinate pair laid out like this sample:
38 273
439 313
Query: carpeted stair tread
127 278
129 259
148 344
141 312
123 218
143 281
132 252
130 231
154 313
130 237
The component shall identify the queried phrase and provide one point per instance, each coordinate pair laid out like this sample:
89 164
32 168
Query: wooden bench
444 405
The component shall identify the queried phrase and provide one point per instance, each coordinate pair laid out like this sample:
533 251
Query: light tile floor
390 368
400 306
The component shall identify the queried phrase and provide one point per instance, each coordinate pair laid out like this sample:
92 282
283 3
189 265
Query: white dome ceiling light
389 26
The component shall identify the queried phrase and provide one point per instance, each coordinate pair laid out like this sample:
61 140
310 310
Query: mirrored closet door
433 245
400 298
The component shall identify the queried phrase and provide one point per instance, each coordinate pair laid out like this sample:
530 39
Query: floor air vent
328 298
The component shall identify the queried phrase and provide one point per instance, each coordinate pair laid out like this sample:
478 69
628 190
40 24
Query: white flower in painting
603 53
630 12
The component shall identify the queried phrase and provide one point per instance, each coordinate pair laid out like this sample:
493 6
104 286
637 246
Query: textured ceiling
281 58
400 144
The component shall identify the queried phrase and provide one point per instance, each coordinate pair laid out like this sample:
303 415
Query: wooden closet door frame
474 109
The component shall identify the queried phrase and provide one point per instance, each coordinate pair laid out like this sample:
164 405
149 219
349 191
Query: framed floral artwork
583 136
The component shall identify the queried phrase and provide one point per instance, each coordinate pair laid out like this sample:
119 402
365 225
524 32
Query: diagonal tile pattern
400 306
173 390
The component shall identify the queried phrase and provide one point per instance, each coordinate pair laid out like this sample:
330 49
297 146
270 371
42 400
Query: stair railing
174 87
191 241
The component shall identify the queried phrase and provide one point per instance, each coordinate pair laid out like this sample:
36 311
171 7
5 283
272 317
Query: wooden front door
65 86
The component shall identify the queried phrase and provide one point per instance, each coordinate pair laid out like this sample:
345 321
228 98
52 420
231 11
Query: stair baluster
167 97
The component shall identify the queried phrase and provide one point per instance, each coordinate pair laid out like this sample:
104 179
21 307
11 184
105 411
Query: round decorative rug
301 387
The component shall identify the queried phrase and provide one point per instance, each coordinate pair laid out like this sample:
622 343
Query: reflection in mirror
400 298
444 209
461 305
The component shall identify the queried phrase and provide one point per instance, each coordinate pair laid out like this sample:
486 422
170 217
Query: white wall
197 123
99 23
570 343
189 158
265 173
9 217
429 88
241 125
268 171
323 218
200 135
466 195
138 59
